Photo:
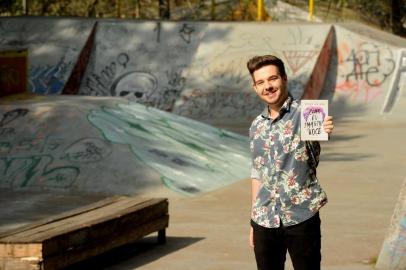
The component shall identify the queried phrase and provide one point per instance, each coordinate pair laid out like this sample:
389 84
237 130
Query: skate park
162 109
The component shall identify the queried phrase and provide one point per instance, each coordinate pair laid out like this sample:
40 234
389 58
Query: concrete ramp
107 145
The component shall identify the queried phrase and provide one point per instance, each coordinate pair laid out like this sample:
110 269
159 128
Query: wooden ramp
85 232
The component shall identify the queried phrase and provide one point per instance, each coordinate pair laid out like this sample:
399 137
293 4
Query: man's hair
258 62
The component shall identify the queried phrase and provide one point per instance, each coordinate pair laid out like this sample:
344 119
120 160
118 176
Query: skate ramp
112 146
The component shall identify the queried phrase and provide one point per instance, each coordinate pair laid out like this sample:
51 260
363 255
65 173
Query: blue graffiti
47 79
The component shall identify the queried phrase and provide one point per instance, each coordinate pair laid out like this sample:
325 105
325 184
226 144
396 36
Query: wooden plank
84 252
57 225
62 216
110 228
20 250
57 221
20 264
142 211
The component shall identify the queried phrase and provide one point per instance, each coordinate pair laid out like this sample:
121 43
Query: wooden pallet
83 233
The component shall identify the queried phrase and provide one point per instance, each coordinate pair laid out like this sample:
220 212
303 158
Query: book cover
313 113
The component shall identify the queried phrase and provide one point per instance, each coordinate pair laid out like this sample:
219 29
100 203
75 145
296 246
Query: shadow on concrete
131 256
346 137
344 157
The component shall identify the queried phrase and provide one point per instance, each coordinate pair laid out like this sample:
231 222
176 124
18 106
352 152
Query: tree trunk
164 12
397 9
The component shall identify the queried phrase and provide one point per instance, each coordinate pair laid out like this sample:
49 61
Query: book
312 116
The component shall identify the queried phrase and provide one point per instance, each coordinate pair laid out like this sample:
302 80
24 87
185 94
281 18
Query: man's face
270 86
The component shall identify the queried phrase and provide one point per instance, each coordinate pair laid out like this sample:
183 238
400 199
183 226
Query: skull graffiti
135 86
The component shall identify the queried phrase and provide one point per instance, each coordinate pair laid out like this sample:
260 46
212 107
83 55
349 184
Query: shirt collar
285 107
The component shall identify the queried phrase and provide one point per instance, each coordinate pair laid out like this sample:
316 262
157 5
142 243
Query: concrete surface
361 169
197 70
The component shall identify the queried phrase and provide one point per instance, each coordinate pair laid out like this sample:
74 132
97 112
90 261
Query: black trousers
303 241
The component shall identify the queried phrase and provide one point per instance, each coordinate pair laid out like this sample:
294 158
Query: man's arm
255 184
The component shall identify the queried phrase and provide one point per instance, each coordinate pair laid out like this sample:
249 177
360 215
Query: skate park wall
198 69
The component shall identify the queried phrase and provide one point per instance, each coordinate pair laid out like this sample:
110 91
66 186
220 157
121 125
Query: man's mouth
270 91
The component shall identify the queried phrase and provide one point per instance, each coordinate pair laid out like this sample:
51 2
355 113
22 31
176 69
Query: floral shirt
289 190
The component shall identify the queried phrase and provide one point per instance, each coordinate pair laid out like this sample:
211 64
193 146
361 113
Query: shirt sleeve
254 171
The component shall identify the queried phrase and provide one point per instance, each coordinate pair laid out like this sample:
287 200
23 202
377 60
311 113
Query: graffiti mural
37 156
191 157
99 84
364 69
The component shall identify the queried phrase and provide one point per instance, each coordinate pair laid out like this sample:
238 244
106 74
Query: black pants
301 240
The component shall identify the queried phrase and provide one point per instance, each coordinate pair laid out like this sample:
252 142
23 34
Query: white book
312 116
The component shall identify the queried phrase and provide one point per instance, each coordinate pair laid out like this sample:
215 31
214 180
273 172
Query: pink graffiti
359 90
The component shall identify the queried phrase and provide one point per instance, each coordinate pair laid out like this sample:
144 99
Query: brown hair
258 62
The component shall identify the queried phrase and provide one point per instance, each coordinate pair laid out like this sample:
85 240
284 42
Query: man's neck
274 109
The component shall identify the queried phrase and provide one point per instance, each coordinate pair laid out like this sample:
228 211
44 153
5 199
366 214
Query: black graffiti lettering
123 59
367 65
12 115
109 72
158 31
186 32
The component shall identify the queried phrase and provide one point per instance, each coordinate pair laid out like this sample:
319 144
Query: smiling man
286 195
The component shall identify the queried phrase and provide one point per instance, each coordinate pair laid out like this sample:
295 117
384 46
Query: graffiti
100 84
39 145
37 161
393 253
175 78
87 150
298 59
359 90
200 104
186 32
31 170
157 29
12 115
7 131
48 79
364 70
368 64
135 85
175 147
297 37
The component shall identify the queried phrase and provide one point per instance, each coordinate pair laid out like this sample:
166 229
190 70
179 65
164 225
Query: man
286 195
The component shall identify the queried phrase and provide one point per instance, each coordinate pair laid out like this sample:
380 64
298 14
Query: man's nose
268 85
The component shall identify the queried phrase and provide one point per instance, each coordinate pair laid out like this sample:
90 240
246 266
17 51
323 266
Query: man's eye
260 83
